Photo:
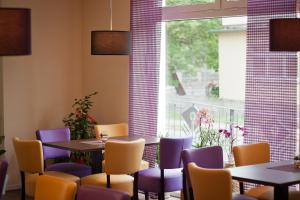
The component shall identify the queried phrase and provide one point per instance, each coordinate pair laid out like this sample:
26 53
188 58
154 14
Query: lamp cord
110 14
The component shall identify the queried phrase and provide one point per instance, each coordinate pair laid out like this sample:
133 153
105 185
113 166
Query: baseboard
13 187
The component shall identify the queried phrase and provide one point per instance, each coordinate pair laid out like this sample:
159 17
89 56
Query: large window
203 74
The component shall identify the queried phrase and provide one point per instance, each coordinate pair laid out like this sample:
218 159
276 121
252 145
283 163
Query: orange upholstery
116 130
50 188
30 159
250 154
29 155
122 158
112 130
210 184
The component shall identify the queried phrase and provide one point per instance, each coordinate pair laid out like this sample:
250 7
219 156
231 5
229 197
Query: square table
280 175
96 146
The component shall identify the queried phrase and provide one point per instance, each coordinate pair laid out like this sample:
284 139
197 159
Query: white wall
232 65
106 74
39 89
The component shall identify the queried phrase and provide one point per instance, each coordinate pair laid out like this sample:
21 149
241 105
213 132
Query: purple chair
3 170
208 157
100 193
168 177
60 135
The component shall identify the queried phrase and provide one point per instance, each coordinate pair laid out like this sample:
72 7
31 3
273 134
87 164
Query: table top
279 173
97 145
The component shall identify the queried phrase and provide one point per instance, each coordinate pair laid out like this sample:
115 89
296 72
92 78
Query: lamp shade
110 43
285 34
15 33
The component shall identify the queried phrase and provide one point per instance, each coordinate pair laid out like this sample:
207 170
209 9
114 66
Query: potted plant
81 124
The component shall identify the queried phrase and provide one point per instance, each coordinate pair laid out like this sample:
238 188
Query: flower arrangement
231 136
80 123
206 134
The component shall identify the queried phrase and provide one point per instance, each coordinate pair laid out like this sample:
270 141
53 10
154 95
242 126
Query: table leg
97 158
281 193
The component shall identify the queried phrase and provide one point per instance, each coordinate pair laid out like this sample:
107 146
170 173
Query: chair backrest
112 130
100 193
50 188
123 157
210 184
250 154
29 154
170 151
208 157
3 171
54 135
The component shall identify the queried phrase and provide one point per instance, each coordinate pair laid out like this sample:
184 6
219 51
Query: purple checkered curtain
271 82
146 16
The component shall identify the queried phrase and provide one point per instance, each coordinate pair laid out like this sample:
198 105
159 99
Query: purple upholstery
170 163
76 169
208 157
242 197
60 135
54 135
100 193
3 170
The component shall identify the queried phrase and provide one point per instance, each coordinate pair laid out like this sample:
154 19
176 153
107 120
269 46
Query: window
203 69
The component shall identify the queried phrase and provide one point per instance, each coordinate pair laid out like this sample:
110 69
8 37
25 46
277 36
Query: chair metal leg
107 180
184 185
146 195
23 195
241 184
135 186
162 184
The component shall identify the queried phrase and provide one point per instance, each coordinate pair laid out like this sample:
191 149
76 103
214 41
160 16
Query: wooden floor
16 195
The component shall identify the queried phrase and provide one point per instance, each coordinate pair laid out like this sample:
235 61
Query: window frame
219 8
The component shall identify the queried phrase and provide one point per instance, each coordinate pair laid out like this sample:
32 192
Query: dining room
209 82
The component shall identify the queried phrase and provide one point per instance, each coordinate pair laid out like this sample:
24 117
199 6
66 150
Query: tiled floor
16 195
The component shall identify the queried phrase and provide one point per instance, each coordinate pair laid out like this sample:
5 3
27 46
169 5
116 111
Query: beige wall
232 65
39 89
106 74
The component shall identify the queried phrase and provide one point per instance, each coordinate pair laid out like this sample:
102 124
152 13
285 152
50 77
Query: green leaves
81 124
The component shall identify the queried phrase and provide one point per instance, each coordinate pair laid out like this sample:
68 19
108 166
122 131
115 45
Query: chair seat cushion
261 192
75 169
242 197
144 165
267 193
95 192
120 182
30 180
149 180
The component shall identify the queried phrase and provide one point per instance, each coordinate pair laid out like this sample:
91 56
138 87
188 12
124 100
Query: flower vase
230 160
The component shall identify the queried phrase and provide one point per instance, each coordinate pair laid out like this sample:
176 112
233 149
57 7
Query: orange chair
29 155
212 184
54 188
250 154
116 130
122 158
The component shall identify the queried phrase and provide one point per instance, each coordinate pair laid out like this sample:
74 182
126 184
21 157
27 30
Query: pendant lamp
15 31
285 34
110 42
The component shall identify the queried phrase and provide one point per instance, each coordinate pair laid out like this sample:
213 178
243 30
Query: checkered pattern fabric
144 69
271 82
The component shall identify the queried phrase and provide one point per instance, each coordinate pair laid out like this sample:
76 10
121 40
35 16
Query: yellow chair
250 154
116 130
50 188
212 184
29 155
122 158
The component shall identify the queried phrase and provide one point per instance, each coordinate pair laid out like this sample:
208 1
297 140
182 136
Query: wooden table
96 146
280 175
